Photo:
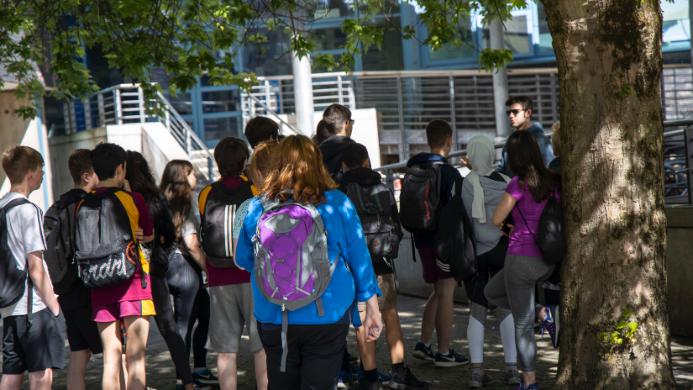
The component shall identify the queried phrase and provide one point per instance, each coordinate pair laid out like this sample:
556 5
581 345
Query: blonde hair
300 173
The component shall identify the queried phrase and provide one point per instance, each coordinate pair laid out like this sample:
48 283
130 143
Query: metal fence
407 100
677 162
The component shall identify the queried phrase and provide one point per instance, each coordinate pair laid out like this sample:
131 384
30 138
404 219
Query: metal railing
678 134
126 104
407 100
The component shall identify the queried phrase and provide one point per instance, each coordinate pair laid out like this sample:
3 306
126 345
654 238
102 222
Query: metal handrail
125 103
270 112
417 73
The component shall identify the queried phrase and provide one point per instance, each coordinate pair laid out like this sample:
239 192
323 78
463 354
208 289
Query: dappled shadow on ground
161 374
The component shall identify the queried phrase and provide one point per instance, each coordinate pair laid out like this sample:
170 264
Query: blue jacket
544 147
353 279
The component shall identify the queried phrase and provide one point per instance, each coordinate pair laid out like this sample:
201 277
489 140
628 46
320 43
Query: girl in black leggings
186 262
140 179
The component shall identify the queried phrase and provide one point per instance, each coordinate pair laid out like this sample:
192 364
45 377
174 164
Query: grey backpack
292 268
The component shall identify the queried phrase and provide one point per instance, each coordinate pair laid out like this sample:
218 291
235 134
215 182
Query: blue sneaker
423 352
451 359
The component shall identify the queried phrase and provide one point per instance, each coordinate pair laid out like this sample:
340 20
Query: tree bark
609 63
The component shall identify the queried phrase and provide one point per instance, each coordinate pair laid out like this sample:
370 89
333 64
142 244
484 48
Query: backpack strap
29 284
285 344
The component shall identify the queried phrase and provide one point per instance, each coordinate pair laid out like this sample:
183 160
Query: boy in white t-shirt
32 342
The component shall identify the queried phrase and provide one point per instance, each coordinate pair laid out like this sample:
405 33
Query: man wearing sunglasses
520 110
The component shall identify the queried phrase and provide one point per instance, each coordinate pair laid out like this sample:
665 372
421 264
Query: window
517 37
329 39
675 25
270 58
221 101
388 57
333 9
218 128
466 51
545 46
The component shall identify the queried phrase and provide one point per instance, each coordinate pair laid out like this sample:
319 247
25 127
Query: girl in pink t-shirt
514 286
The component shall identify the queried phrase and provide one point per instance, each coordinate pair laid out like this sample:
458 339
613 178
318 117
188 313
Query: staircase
125 104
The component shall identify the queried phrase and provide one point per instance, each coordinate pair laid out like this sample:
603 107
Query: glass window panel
218 128
181 102
221 101
449 52
325 9
675 25
516 36
545 46
329 39
388 57
272 58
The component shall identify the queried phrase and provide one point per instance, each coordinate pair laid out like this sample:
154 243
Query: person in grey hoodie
520 111
482 190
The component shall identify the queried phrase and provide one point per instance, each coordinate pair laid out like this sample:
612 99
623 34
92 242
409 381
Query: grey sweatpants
513 288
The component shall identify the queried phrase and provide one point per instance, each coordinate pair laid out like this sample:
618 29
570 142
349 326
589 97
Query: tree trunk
609 63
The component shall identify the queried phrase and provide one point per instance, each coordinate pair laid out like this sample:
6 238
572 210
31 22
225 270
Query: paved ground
160 372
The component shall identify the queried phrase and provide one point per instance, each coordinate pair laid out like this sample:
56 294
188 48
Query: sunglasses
514 112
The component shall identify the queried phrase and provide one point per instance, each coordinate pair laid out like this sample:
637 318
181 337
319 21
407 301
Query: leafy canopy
190 38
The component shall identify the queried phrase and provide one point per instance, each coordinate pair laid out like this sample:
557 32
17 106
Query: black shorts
32 349
82 332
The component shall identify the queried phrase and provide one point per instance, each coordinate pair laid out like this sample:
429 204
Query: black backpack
165 241
550 237
12 278
375 208
216 228
420 198
58 226
455 246
105 251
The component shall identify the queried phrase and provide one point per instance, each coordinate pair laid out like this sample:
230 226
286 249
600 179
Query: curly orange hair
300 173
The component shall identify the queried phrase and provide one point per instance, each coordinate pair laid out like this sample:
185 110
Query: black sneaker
404 379
204 377
451 359
421 351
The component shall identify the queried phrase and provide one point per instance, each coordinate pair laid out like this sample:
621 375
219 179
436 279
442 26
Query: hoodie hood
333 152
362 176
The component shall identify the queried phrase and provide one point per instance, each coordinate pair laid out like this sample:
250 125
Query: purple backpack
292 268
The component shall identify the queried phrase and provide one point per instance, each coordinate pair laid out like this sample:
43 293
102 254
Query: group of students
297 241
503 204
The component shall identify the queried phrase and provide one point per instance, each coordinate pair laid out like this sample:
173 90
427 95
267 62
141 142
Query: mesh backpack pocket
216 230
105 251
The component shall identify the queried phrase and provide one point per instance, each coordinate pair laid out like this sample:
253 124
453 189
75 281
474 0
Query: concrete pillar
500 82
303 94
